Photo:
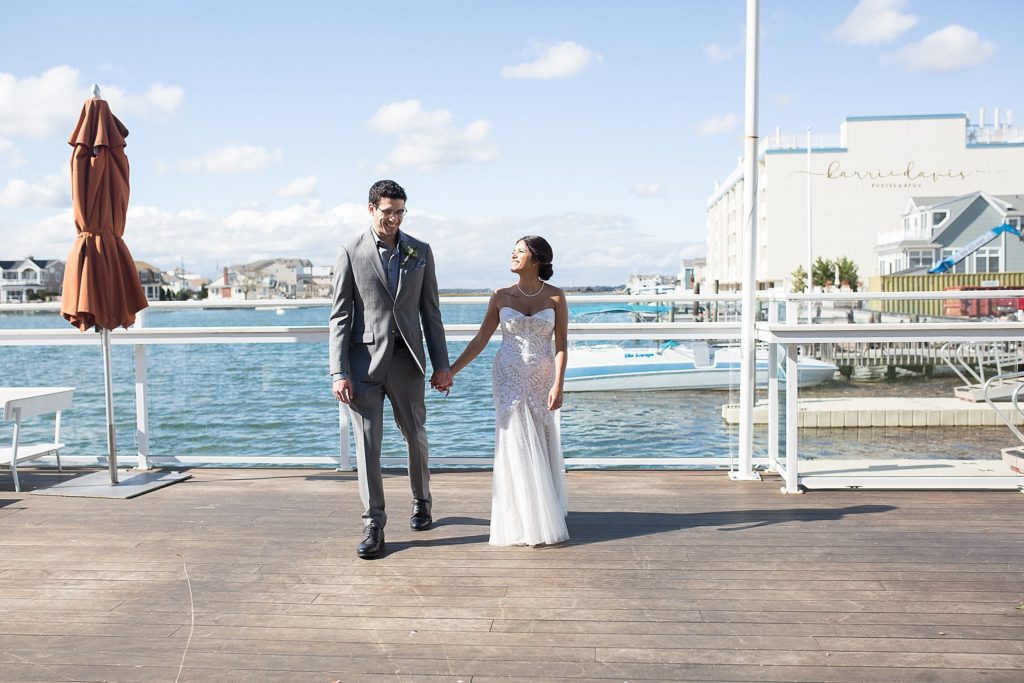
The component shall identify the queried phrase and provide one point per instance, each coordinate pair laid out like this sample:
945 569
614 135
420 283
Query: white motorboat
673 365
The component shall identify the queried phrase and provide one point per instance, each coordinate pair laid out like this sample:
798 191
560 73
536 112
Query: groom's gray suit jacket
367 323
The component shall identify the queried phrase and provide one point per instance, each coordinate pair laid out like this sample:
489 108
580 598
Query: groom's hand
442 380
343 390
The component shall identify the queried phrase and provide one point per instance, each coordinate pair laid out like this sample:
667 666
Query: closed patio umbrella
101 284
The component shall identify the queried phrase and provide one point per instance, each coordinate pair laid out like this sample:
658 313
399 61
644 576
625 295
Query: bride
529 503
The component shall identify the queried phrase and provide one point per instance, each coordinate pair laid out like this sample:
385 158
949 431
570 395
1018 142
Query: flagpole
748 366
810 280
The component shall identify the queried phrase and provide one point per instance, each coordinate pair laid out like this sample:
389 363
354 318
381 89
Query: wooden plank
669 576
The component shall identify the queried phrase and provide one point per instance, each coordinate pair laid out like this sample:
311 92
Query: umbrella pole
108 385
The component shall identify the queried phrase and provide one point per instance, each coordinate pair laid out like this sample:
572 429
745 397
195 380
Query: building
30 278
934 228
322 284
691 273
265 279
860 183
179 280
650 284
151 278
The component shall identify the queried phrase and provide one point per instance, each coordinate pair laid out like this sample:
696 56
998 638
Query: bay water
274 399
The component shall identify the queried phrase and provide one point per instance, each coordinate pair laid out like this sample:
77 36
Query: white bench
20 403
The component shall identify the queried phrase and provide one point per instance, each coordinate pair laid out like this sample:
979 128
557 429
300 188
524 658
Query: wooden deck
251 575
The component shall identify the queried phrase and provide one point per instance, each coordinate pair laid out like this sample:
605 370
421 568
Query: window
1014 221
938 217
960 267
986 260
919 258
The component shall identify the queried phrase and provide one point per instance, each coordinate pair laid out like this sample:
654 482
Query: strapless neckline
526 315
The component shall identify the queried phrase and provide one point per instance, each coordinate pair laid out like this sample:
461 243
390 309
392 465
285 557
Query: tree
823 272
799 280
847 272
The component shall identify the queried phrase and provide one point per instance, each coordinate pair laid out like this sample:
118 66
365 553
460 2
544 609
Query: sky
257 127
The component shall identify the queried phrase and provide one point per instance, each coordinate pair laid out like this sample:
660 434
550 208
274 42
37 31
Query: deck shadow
594 527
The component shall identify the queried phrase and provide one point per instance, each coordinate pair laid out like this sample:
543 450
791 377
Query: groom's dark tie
390 260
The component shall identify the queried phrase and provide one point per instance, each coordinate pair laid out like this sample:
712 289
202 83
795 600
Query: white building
861 184
23 279
179 280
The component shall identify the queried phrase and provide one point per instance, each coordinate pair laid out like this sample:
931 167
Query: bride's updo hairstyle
541 252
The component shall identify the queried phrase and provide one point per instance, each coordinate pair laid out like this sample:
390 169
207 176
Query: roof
40 262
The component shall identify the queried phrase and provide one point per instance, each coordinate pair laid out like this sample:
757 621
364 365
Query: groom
384 286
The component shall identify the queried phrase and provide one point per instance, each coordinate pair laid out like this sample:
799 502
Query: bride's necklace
534 294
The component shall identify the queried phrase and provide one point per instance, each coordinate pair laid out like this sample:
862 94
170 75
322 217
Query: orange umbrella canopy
101 283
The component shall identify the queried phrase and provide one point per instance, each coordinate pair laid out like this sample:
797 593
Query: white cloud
53 190
948 49
241 159
717 125
470 251
875 21
300 187
159 98
554 60
717 53
648 190
10 155
430 139
48 104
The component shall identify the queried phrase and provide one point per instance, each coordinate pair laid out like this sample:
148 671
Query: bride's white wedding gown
528 503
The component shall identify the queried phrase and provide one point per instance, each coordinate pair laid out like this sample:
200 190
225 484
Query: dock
251 575
885 411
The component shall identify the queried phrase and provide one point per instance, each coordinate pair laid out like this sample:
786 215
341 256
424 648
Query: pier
920 356
885 411
669 576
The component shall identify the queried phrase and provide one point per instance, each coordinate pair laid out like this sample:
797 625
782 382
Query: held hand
442 380
555 398
343 390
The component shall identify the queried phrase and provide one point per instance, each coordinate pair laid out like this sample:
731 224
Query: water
275 400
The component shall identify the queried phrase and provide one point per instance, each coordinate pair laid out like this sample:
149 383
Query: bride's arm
561 351
483 335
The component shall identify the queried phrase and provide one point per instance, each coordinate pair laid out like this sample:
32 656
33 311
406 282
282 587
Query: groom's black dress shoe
421 519
373 542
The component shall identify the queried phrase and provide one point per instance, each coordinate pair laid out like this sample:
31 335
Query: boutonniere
408 252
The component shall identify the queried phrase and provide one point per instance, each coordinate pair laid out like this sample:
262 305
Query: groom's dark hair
386 189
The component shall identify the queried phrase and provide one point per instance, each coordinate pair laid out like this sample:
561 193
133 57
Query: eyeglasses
389 213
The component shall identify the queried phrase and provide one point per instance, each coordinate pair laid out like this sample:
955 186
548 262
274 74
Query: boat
673 365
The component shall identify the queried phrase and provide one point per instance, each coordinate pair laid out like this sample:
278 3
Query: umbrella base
97 485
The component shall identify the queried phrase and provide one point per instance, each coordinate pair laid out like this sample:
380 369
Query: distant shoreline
588 289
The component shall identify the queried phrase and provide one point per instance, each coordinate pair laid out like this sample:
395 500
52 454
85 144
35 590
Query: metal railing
140 338
783 330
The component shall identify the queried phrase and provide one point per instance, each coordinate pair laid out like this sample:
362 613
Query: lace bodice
527 335
524 365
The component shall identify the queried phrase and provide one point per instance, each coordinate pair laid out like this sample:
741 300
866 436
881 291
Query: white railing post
344 452
773 390
141 408
792 421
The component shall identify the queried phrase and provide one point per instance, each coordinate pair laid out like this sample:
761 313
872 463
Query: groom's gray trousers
403 385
